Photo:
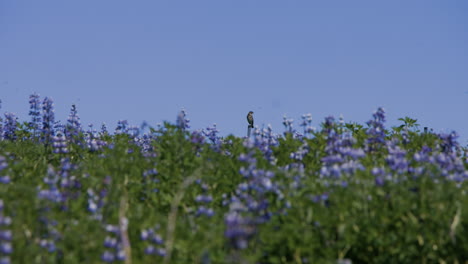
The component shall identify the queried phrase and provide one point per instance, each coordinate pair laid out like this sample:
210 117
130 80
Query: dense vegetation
341 193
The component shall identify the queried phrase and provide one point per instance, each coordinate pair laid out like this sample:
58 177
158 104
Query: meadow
338 193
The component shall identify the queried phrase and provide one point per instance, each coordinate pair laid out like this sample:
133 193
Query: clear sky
145 60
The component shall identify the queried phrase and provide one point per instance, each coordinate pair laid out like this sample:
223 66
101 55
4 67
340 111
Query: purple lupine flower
202 209
48 120
93 143
449 142
144 142
6 236
396 158
380 175
197 137
342 158
115 241
97 201
300 153
48 244
69 184
212 134
264 139
5 179
203 198
9 129
249 207
1 122
104 130
182 120
122 127
73 127
107 256
376 131
58 126
61 187
35 114
3 165
133 132
239 229
154 241
60 143
288 125
307 124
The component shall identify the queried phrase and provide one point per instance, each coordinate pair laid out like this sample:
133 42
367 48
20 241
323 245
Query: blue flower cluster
248 207
182 121
35 114
6 236
4 178
73 127
59 143
155 242
48 120
342 159
113 244
376 130
9 128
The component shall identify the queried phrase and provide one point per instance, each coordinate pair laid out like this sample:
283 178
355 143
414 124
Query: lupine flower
133 132
376 131
203 198
380 175
239 229
93 143
306 124
154 242
212 134
3 165
6 236
96 201
60 143
104 129
145 143
249 206
73 127
52 193
1 122
58 126
50 197
449 142
264 139
202 209
35 114
9 129
342 158
182 120
300 153
114 244
288 125
197 137
396 158
122 127
48 120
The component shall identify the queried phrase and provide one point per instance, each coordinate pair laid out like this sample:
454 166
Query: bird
250 119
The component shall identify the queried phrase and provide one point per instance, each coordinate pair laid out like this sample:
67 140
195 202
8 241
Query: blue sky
145 60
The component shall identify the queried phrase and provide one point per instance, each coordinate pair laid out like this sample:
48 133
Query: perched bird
250 119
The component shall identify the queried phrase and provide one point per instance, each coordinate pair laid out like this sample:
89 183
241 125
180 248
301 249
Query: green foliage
408 220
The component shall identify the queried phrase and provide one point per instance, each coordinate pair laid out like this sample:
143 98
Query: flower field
339 193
